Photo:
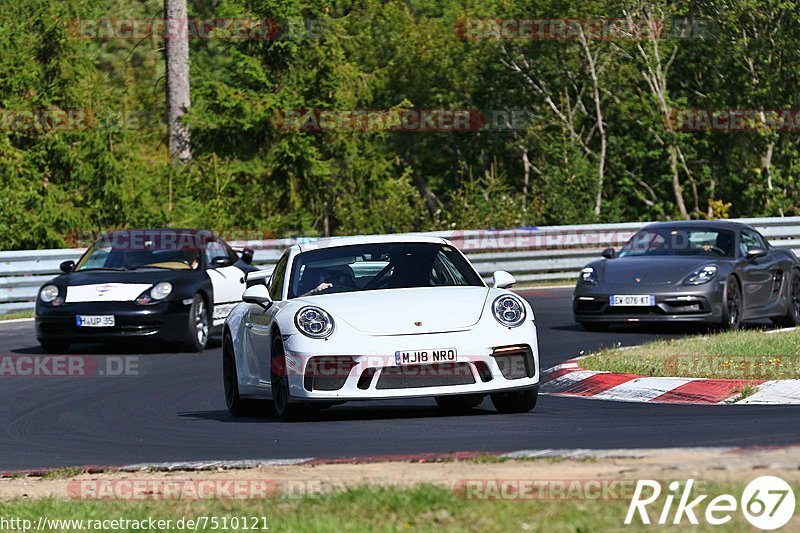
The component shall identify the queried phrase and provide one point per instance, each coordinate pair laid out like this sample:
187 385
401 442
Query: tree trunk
176 42
676 182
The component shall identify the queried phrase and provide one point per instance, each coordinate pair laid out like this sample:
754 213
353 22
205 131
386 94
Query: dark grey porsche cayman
713 272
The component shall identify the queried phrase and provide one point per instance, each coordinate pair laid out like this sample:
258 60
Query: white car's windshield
683 241
380 266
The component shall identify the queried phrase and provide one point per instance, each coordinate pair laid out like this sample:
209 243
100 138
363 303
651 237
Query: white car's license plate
424 357
633 300
95 321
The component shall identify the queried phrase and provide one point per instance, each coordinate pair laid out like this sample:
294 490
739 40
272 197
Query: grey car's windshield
379 266
680 241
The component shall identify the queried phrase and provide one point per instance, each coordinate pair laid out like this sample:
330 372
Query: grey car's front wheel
732 304
792 316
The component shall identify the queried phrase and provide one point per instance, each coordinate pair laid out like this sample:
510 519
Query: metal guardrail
531 254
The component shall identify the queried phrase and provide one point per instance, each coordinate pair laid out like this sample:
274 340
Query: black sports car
714 272
171 285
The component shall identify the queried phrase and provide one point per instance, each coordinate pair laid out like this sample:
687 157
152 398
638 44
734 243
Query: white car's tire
281 400
459 401
515 401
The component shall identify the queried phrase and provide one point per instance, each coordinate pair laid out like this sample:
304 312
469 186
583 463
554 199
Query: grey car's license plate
632 300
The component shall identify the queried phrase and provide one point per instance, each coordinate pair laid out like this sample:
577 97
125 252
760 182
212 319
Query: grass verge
423 508
17 316
741 354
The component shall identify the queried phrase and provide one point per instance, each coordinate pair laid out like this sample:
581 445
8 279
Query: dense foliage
598 146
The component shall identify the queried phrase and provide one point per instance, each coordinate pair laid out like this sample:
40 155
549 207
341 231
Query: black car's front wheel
732 304
792 316
198 325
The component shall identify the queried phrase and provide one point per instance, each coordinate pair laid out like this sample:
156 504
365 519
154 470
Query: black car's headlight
314 322
701 275
155 294
588 276
509 311
49 295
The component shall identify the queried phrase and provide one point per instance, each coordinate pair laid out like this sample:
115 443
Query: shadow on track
122 347
353 412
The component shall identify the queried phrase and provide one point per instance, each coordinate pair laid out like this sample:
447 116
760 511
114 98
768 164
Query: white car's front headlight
509 311
314 322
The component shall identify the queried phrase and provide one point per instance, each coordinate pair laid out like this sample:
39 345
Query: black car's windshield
132 254
680 241
380 266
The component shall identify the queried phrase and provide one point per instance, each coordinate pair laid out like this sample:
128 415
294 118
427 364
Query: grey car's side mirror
609 253
67 266
257 294
502 280
755 253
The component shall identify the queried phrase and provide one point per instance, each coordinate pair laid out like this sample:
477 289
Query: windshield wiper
118 269
151 266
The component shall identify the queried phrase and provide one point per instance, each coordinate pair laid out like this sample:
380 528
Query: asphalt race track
174 410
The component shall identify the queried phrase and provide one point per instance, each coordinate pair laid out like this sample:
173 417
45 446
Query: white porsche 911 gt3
368 318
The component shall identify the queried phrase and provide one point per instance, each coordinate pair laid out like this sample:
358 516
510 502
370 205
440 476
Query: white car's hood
406 311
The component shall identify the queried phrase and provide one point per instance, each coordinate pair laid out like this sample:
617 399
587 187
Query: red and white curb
569 379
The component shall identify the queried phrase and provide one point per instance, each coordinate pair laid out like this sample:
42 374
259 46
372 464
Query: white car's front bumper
364 368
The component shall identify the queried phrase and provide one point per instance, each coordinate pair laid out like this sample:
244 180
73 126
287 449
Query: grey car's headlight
588 276
701 275
509 311
314 322
161 291
48 293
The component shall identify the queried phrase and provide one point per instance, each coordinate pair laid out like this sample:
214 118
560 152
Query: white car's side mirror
502 280
257 294
257 277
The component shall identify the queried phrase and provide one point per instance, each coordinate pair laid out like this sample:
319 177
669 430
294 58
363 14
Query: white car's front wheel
516 401
284 407
459 401
236 405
